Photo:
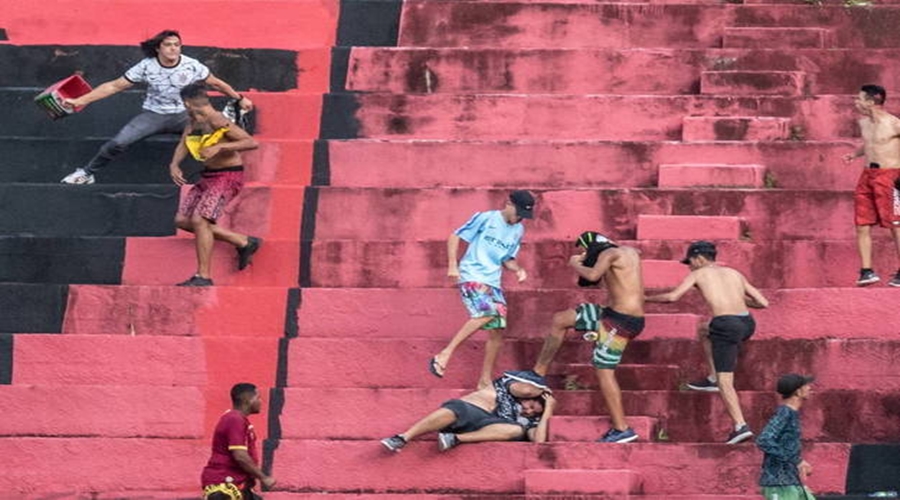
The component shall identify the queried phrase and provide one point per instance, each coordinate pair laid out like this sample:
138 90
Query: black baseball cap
699 248
524 202
788 384
587 238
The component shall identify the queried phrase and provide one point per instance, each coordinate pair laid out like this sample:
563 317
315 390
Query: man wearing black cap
610 327
783 469
516 407
493 238
728 294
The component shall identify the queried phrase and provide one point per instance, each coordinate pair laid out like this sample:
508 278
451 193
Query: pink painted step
688 227
279 161
515 117
686 416
617 483
735 128
775 38
103 411
589 429
167 261
499 467
283 495
569 164
168 310
564 214
711 175
663 273
574 369
753 83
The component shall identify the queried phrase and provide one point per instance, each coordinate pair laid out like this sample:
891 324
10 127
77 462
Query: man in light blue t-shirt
494 238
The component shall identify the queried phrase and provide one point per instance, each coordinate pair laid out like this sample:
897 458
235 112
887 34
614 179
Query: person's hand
577 260
805 470
210 151
521 275
849 157
177 175
549 401
246 104
268 482
73 103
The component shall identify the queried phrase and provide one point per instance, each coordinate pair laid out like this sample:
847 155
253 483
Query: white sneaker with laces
79 176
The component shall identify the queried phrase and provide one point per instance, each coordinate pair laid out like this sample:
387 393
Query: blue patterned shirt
780 441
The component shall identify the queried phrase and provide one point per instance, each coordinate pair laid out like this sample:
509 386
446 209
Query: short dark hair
239 390
875 93
150 46
196 90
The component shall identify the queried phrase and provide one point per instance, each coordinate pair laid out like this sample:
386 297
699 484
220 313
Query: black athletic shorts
726 334
470 418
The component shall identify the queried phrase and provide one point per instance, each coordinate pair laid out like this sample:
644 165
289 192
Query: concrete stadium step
736 128
103 411
49 159
711 175
349 466
261 69
168 261
26 259
738 83
32 307
682 416
767 264
689 227
570 164
111 210
177 311
282 495
409 370
467 24
564 214
294 25
614 483
591 428
179 460
792 314
512 116
278 115
762 38
662 70
143 360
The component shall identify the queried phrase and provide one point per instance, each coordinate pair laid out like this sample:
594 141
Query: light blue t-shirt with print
492 241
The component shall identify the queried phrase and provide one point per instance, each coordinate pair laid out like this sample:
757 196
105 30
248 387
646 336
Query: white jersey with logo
164 84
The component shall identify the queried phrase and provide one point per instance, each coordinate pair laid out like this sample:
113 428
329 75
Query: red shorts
209 197
876 200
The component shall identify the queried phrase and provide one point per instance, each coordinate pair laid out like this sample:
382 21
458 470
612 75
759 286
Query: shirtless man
610 327
515 407
212 139
876 200
728 294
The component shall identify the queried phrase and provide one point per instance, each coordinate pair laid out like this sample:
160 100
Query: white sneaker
79 176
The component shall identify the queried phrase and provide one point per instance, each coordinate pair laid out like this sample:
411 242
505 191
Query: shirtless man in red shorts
212 139
876 199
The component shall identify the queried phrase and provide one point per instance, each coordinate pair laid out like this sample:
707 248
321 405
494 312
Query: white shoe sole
740 438
702 389
868 282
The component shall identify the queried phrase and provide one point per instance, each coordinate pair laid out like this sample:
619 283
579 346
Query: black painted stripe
29 308
6 353
321 170
369 23
340 61
307 234
3 34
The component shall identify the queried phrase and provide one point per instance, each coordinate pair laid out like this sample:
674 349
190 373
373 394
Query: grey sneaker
867 277
614 435
895 281
196 281
704 385
79 176
394 443
742 434
447 440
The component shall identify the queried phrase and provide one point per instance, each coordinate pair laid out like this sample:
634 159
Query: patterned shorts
484 300
612 331
209 197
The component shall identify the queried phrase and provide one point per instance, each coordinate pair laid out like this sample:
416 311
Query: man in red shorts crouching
214 140
876 200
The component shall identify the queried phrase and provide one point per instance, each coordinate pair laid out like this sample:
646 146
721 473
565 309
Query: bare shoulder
218 120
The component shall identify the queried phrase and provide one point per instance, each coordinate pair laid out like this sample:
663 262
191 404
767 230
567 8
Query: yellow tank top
195 143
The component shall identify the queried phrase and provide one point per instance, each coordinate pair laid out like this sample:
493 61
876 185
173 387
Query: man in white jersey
165 71
493 237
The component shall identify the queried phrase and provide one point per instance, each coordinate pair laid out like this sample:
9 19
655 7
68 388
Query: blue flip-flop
433 368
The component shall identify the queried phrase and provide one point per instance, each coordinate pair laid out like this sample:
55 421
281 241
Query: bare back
624 281
881 139
724 289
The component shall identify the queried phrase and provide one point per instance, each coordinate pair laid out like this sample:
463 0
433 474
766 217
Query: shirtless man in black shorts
516 407
610 327
728 294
